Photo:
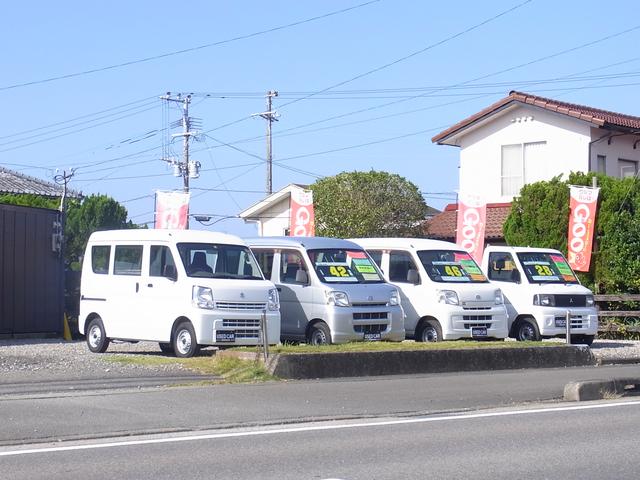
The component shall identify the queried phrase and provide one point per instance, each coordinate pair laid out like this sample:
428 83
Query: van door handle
149 285
279 289
137 287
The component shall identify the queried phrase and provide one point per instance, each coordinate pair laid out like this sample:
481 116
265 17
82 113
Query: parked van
539 288
330 290
445 296
181 288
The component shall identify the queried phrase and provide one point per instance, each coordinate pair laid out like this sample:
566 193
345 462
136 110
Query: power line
187 50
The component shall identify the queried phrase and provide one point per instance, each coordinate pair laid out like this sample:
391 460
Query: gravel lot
50 359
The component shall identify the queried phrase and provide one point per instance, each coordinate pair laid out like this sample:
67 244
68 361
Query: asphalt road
29 418
576 441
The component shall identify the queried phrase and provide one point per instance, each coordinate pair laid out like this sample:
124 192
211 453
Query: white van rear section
142 284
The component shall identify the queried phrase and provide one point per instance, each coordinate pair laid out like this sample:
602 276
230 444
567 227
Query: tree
366 204
96 212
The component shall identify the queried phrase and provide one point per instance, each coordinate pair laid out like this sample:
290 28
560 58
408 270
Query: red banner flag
472 218
302 219
172 209
583 202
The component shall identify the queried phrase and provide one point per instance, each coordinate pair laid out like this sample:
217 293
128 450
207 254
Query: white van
330 290
445 296
181 288
539 288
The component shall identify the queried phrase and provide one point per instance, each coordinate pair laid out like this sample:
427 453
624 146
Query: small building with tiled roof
443 225
526 138
19 183
272 214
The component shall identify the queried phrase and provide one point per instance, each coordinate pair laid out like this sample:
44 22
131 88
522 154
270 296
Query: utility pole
62 179
186 168
270 116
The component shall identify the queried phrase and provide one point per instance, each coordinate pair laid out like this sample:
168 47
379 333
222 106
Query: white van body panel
145 307
519 298
369 311
477 301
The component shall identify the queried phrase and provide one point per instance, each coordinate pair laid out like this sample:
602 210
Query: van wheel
319 334
582 339
184 340
527 331
97 340
166 347
430 331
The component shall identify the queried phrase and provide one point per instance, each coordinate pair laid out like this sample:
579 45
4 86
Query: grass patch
397 346
232 370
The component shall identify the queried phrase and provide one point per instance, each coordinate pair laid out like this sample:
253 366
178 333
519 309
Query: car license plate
561 322
225 337
478 331
372 337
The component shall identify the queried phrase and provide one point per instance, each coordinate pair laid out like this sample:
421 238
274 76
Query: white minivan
445 295
330 290
539 288
181 288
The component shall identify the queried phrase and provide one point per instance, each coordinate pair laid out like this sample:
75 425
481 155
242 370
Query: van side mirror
413 276
515 275
302 277
170 272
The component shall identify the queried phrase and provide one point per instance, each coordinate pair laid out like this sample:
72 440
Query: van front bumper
552 320
460 322
350 324
235 328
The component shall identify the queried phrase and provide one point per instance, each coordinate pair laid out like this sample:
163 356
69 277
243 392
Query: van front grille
364 304
476 308
476 318
247 334
372 328
240 305
370 316
240 323
469 325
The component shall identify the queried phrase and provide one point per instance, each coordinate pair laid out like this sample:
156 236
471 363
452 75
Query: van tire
319 334
527 330
582 339
429 331
184 341
97 339
166 347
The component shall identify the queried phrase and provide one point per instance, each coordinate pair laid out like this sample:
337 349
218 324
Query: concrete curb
601 389
363 364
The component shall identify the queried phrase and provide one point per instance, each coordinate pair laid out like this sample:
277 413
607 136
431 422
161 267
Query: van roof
504 248
168 235
311 243
413 243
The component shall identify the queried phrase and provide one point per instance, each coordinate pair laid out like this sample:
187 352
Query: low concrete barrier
363 364
601 389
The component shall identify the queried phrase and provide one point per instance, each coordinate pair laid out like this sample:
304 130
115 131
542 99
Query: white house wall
621 147
274 221
481 149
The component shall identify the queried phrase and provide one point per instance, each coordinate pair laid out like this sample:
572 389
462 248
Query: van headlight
499 297
339 299
590 302
449 297
273 300
544 300
202 297
395 298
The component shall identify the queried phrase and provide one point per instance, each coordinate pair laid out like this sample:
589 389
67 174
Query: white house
525 138
272 215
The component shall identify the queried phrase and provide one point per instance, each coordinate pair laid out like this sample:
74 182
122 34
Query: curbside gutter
601 389
364 364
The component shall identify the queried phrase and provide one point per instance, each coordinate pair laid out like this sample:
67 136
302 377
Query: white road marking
252 433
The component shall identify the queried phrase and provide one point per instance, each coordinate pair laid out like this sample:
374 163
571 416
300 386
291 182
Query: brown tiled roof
596 116
15 182
443 225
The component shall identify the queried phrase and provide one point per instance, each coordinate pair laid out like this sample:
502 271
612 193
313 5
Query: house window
628 168
601 164
518 161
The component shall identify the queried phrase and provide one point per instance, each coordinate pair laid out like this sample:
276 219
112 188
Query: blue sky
110 125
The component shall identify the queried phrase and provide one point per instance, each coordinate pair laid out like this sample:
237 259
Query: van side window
265 260
128 260
100 255
160 257
290 262
502 267
399 265
376 255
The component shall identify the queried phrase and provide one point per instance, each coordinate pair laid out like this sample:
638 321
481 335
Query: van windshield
449 266
208 260
544 267
344 266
